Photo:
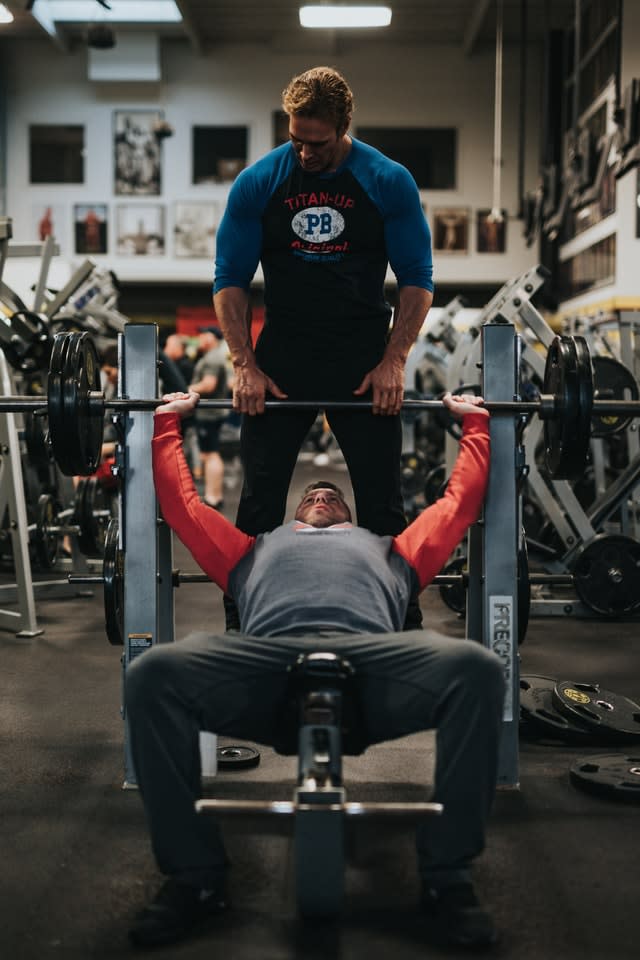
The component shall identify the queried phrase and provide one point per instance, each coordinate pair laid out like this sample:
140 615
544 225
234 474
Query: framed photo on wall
48 220
194 229
137 152
491 232
450 229
428 153
219 153
280 122
140 230
56 153
90 223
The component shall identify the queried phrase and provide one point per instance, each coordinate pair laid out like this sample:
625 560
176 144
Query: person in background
210 381
325 215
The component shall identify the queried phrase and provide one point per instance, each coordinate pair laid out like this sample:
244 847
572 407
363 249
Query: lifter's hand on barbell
181 403
459 404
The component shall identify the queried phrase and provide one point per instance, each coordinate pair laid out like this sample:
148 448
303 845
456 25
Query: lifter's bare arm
250 384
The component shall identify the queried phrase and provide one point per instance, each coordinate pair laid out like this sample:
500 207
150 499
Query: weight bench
319 721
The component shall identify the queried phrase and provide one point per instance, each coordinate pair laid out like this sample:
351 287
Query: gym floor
560 871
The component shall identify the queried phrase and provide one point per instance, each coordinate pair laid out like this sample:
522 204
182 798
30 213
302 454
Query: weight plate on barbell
58 434
567 435
539 717
113 573
606 575
608 775
81 376
612 381
610 716
237 757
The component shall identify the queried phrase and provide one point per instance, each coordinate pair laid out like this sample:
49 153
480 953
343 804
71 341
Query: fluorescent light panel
342 16
122 11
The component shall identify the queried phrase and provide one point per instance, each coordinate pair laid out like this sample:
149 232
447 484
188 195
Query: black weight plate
612 381
46 544
29 347
608 775
611 716
540 718
237 757
113 573
568 377
81 375
606 575
91 517
455 594
434 483
58 434
36 441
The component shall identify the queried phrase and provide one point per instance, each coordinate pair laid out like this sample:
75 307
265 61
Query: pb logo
318 224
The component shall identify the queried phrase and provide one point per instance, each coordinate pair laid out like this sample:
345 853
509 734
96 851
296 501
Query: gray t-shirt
293 581
213 363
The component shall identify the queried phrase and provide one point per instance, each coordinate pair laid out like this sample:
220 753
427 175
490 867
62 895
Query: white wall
419 86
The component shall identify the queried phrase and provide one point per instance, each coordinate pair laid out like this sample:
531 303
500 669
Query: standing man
210 380
325 215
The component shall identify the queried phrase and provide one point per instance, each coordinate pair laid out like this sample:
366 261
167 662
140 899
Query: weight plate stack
608 775
611 717
606 575
541 720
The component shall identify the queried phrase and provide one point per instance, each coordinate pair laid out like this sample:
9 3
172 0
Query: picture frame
280 127
491 235
194 229
90 227
430 154
49 220
219 153
56 153
137 152
140 230
450 230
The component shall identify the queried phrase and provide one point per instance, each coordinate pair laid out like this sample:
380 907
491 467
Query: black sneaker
175 912
456 918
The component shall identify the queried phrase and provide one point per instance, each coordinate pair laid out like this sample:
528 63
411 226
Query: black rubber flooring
560 871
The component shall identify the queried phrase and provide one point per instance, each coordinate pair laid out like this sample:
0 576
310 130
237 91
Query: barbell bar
75 405
546 407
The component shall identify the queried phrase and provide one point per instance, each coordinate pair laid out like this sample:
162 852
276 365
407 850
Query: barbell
76 405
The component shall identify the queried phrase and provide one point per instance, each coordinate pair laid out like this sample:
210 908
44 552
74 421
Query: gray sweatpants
233 684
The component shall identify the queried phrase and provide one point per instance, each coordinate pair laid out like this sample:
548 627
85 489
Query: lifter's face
322 508
318 145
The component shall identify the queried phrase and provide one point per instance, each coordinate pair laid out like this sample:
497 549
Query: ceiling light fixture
118 11
5 14
342 16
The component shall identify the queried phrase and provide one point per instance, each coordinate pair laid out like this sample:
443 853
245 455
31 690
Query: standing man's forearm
233 313
386 380
409 315
250 384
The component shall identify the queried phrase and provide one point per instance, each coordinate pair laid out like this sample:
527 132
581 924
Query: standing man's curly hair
320 92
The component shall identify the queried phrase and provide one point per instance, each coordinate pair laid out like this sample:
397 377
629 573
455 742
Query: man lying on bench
316 581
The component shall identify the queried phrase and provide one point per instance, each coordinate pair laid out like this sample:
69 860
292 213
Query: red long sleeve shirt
302 579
